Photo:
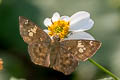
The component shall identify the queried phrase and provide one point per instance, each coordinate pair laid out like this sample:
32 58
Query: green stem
104 69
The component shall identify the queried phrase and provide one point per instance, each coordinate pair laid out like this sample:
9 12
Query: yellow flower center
59 28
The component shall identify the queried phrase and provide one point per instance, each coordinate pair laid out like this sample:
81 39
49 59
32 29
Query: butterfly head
56 38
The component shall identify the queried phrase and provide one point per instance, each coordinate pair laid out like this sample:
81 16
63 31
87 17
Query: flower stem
104 69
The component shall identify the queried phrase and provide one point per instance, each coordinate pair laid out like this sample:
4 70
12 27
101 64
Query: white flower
13 78
109 78
77 24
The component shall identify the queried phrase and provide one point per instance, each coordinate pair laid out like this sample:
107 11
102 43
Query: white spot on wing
81 47
28 30
81 50
30 34
80 44
91 43
41 39
32 31
69 48
26 22
84 48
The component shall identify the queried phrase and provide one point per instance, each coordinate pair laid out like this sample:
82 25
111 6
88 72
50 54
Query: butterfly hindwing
65 62
81 49
32 33
40 53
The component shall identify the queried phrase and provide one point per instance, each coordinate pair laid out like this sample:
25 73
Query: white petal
81 21
82 25
79 16
46 31
80 35
66 18
47 22
55 17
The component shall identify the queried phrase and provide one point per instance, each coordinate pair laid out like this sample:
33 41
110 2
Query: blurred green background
13 50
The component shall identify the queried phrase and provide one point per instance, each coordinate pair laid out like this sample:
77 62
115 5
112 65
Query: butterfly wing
72 51
32 33
65 62
40 53
81 49
38 41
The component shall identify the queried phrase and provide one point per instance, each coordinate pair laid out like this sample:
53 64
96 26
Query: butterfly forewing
81 49
32 33
38 41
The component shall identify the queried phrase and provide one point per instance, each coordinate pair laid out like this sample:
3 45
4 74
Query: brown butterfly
1 64
62 56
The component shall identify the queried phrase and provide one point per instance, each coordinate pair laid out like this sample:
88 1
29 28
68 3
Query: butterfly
62 56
